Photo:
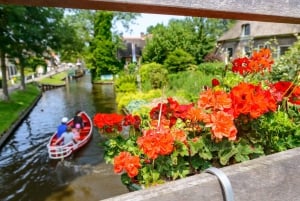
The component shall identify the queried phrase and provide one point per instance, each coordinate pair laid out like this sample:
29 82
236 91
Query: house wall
256 43
285 41
11 70
133 50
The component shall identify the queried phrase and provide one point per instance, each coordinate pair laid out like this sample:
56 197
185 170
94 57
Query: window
247 51
229 52
283 49
246 29
261 46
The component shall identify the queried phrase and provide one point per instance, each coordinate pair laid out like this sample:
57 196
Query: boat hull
64 151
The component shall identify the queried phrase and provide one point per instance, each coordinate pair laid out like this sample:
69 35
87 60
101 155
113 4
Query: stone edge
16 124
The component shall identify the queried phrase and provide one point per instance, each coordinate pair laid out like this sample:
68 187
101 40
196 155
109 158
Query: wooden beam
285 11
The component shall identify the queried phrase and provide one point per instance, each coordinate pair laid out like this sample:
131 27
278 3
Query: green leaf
225 155
199 147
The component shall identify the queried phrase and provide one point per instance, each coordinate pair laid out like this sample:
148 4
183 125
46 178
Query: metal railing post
225 183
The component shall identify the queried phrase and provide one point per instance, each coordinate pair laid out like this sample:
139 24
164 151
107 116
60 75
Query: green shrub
131 68
188 84
179 60
154 73
212 68
123 99
288 66
135 105
125 83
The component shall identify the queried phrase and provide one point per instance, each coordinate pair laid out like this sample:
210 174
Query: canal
26 172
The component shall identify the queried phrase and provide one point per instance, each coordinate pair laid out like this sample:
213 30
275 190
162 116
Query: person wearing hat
62 127
67 137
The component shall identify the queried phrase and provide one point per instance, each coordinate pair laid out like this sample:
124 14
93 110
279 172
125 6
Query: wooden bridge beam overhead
286 11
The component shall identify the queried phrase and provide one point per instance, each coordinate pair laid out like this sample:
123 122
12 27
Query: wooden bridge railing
286 11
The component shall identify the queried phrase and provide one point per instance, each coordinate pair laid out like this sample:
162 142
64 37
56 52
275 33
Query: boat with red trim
61 151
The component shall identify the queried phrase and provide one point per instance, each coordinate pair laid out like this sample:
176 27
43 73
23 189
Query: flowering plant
111 125
239 118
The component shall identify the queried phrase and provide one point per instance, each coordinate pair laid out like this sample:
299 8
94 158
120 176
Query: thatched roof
260 29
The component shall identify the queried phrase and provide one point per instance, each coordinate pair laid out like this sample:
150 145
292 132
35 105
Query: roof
260 29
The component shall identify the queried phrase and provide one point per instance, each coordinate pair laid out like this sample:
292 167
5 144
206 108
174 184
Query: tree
179 60
103 58
8 17
101 40
82 23
27 32
38 30
196 36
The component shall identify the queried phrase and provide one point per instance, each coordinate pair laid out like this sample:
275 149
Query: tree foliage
102 58
154 74
102 54
27 32
196 36
179 60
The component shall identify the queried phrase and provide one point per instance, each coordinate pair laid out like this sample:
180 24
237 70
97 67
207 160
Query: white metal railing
58 152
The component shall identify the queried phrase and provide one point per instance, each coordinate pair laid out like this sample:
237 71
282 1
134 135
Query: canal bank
22 116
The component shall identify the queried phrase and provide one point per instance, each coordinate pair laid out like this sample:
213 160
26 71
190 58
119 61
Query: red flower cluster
284 89
215 109
133 120
155 142
170 110
257 63
222 125
252 100
128 163
108 122
214 99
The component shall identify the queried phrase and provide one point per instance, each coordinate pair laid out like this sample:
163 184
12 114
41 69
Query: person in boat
76 131
62 127
67 137
77 121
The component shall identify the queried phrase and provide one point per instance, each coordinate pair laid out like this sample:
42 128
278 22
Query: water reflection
26 173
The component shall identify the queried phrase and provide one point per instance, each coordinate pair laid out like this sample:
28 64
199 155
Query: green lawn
55 79
19 102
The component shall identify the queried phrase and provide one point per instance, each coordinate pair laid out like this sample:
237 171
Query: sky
146 20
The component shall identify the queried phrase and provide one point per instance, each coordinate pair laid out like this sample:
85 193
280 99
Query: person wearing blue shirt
67 137
62 127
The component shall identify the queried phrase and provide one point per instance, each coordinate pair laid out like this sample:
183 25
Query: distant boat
63 151
78 73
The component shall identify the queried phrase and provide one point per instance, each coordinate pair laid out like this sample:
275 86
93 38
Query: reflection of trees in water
29 129
104 98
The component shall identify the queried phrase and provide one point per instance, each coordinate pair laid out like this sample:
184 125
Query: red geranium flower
215 82
128 163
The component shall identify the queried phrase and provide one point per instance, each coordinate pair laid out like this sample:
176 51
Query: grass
57 79
11 110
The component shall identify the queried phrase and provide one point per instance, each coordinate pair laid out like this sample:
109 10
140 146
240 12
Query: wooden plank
286 11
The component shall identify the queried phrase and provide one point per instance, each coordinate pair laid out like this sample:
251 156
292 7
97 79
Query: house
246 36
11 70
133 49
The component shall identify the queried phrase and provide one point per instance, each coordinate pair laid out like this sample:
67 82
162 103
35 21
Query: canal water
26 172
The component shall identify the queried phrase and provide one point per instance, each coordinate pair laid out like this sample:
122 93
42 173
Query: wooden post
285 11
